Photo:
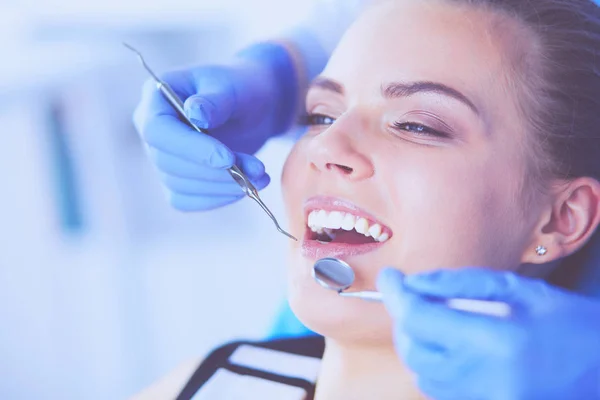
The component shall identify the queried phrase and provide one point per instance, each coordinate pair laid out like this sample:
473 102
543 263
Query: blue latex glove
548 349
241 104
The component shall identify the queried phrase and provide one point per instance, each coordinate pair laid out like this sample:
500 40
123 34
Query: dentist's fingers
189 203
182 168
198 187
477 283
434 362
431 321
203 110
390 282
435 323
168 134
152 104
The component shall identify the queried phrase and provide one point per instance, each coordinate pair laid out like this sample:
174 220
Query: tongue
351 237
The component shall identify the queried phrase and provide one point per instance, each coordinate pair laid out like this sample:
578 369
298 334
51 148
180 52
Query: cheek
292 170
451 211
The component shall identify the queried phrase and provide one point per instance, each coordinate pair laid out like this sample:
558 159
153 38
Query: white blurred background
103 287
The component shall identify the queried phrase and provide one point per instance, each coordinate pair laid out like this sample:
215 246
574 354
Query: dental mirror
334 274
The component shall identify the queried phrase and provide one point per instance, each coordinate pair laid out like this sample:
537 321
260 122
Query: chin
338 318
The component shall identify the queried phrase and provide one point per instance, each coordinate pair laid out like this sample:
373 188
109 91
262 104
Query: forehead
432 40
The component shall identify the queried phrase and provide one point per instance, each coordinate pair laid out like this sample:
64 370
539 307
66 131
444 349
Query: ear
569 223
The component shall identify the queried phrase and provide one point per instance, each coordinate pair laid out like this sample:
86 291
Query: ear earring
541 250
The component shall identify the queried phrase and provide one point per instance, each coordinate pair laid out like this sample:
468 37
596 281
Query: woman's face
417 139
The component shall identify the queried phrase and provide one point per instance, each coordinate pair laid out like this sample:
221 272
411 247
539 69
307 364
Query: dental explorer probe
238 176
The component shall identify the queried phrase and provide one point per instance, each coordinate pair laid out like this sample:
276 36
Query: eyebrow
397 89
327 84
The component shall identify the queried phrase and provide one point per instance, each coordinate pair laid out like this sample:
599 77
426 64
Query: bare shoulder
168 387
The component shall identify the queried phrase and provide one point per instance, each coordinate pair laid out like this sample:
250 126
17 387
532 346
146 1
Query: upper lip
330 203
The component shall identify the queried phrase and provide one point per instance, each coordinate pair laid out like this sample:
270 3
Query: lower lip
315 250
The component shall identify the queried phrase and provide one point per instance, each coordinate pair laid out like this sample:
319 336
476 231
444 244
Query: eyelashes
315 120
418 129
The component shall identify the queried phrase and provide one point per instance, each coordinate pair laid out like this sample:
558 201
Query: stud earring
541 250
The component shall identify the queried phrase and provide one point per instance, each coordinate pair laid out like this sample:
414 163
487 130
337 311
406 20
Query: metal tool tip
130 47
141 58
287 234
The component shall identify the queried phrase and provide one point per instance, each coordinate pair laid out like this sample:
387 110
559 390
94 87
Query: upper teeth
320 221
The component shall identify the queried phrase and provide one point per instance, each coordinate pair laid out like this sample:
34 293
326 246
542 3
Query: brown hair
560 72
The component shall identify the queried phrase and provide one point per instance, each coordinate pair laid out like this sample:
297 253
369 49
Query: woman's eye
419 129
316 119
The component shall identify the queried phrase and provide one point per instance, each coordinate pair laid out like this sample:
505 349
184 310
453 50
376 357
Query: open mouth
340 227
336 228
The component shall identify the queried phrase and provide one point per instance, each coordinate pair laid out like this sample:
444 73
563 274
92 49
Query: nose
335 152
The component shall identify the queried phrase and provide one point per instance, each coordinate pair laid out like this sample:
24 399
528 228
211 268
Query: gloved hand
241 104
548 349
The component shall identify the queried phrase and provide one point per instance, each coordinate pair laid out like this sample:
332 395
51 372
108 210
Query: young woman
442 134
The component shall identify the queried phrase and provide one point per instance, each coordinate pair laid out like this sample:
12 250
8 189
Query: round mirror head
333 274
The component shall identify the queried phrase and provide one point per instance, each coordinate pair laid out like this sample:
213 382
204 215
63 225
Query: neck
354 372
